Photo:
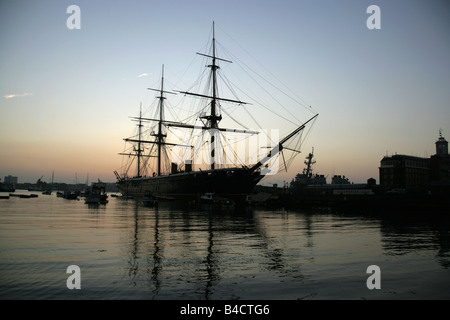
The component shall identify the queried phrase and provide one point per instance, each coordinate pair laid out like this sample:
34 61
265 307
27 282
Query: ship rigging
186 176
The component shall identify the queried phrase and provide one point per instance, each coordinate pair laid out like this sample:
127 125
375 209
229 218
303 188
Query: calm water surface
127 251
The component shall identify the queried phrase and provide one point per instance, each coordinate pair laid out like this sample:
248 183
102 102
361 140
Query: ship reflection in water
128 251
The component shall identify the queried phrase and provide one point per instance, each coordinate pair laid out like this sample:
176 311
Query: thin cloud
143 75
13 95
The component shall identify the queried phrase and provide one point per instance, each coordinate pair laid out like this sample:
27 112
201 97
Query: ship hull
235 183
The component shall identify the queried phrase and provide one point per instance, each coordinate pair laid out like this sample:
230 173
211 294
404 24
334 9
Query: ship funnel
188 166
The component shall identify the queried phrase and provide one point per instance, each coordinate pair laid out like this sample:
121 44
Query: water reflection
178 252
156 256
211 264
134 248
126 250
405 234
190 249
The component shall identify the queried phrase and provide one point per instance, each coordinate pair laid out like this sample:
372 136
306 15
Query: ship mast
160 135
159 141
139 150
309 162
212 120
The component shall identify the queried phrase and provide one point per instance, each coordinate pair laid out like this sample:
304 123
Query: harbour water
175 252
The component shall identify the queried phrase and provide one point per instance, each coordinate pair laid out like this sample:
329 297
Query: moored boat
71 195
96 194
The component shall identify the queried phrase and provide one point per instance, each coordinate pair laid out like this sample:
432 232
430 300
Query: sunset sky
66 95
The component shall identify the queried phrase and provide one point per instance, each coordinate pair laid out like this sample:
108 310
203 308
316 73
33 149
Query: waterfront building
440 162
11 180
441 146
405 171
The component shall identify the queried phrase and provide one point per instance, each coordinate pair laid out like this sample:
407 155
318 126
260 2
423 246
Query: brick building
404 171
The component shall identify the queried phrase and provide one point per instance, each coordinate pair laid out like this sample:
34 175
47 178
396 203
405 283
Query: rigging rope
303 103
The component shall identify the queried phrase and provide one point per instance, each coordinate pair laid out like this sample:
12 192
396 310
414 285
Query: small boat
212 198
70 195
97 194
23 196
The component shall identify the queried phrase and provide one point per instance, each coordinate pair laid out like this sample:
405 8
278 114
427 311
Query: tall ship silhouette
198 162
